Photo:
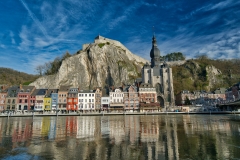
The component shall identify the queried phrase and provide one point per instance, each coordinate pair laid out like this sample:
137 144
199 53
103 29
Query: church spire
154 53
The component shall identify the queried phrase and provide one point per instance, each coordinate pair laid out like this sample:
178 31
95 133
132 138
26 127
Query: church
159 75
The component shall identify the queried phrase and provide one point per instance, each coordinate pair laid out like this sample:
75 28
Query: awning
116 104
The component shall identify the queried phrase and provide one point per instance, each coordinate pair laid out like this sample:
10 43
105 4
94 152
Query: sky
33 32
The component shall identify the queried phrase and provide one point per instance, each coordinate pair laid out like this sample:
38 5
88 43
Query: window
89 100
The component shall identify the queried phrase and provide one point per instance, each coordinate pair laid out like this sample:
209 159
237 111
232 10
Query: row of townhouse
66 98
201 98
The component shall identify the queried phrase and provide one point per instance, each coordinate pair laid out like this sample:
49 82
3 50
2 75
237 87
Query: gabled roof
13 91
35 92
50 91
27 89
126 88
73 90
41 92
86 91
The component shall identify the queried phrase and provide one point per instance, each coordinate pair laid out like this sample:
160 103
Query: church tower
159 74
155 53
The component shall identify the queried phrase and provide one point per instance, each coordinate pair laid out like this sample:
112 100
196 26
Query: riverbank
110 114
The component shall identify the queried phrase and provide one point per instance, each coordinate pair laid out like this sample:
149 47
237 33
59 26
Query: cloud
12 38
2 46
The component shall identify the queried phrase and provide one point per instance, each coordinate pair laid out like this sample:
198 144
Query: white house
116 98
86 100
105 103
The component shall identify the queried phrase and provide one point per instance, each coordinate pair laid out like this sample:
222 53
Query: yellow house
47 103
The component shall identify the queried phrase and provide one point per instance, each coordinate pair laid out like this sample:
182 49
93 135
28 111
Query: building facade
159 75
3 96
54 96
72 99
39 102
23 97
11 99
98 96
62 97
131 99
116 99
86 100
105 101
148 98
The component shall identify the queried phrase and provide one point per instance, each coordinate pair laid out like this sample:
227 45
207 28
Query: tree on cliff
51 67
175 56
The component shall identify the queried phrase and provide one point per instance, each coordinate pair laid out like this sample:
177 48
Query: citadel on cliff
104 75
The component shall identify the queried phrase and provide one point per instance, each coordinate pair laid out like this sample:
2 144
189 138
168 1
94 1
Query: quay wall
114 114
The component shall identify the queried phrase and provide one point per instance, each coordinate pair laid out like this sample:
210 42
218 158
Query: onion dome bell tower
155 53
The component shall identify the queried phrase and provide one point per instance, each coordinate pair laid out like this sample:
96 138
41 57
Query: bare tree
39 69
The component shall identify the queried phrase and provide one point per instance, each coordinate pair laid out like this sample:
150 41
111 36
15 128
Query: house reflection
123 137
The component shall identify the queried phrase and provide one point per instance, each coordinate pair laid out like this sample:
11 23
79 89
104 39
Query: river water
121 137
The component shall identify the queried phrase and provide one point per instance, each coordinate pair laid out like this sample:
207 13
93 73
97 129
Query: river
126 137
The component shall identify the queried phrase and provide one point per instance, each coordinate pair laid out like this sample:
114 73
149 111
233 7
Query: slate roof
50 91
35 92
86 91
41 92
27 88
73 90
126 88
13 91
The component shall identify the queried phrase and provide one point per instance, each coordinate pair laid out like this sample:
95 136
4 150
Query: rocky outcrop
103 63
212 75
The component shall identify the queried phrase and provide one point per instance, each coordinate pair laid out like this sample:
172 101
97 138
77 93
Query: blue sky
33 32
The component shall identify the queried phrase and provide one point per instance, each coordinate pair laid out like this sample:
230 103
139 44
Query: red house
72 99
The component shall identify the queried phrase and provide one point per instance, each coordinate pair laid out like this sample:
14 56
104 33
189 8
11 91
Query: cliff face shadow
109 80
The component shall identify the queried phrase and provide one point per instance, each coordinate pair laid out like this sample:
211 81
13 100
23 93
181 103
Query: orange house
72 99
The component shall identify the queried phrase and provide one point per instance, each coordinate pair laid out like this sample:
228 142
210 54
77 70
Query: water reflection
121 137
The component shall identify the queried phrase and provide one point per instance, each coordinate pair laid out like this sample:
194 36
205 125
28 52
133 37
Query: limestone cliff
103 63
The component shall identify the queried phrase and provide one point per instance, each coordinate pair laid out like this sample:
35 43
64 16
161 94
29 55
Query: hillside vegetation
12 77
197 74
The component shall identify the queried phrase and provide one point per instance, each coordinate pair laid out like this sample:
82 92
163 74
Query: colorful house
72 99
39 102
131 99
98 96
62 97
54 96
11 99
33 99
48 100
148 98
3 96
23 97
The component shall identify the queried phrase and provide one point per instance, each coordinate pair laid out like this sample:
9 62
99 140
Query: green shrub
101 45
